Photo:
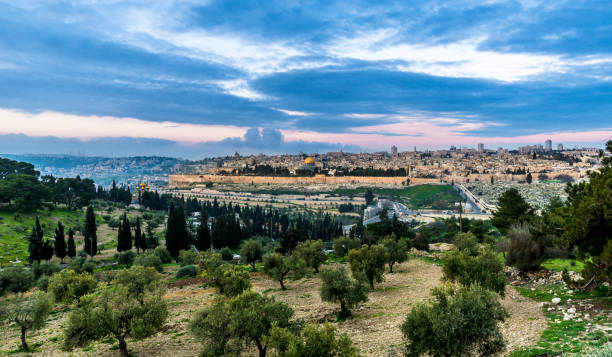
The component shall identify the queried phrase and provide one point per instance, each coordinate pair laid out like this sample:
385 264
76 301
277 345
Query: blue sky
201 78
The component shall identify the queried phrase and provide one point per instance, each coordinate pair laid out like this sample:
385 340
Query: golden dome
309 161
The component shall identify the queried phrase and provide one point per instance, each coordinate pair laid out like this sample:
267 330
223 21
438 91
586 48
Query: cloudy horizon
196 79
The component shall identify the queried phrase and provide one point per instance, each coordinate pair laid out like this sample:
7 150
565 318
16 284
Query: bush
420 242
314 340
455 323
466 241
396 250
186 271
15 280
163 254
68 285
484 269
43 283
125 258
150 260
337 287
209 261
46 268
342 245
226 254
88 267
187 257
105 276
230 280
523 252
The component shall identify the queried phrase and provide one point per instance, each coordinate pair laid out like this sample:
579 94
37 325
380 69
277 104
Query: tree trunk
262 349
282 284
316 268
253 265
24 344
372 284
390 268
123 346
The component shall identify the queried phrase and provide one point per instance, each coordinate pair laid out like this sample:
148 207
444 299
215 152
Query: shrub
163 254
368 263
337 287
43 283
88 267
209 261
466 241
27 313
186 271
455 323
484 269
125 258
342 245
45 268
311 251
230 280
68 285
139 280
523 252
15 280
318 340
105 276
187 257
150 260
226 254
420 242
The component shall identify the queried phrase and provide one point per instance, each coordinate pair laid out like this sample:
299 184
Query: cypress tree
124 239
137 235
90 234
171 241
202 241
143 242
181 230
35 247
60 242
71 251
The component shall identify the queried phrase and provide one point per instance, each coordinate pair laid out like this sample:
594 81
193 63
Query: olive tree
338 287
251 251
313 340
230 324
279 267
136 310
27 313
456 322
368 263
311 251
396 250
68 285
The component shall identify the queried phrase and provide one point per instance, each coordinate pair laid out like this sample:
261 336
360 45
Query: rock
515 283
571 310
556 301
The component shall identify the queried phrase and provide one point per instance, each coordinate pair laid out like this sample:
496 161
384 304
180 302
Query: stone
556 301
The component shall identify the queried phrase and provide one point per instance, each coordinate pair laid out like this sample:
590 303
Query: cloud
63 125
240 88
294 113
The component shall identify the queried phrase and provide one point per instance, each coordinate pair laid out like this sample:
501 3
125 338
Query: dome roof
309 161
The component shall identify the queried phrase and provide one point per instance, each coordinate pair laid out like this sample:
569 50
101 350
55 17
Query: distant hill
103 170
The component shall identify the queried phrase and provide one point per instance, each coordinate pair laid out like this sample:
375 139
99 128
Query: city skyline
191 80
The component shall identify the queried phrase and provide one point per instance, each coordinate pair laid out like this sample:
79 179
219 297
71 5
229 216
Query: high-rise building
560 147
394 150
481 147
548 145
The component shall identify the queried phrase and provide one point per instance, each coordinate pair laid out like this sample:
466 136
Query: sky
195 79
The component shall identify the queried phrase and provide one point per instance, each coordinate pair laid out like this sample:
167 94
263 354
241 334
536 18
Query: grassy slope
419 196
14 232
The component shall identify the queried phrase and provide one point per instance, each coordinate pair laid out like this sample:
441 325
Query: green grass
546 293
14 230
560 336
560 264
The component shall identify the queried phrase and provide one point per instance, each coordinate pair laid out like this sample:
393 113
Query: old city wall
186 180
